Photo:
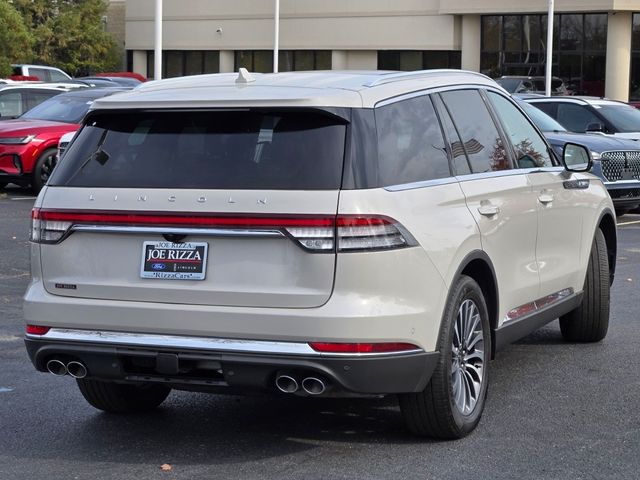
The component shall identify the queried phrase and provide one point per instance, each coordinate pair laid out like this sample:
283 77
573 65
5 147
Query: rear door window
576 117
248 149
411 147
41 73
481 140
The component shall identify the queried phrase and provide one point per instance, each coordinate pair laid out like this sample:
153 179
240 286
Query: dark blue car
616 161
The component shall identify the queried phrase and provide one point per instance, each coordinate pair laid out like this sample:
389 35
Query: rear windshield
245 149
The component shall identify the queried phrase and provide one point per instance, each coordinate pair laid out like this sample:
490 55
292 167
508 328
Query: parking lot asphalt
554 411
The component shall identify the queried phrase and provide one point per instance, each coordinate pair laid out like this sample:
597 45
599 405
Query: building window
301 60
418 59
179 63
516 45
288 60
254 60
634 88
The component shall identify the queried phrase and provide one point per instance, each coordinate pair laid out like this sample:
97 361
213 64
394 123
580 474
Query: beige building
596 46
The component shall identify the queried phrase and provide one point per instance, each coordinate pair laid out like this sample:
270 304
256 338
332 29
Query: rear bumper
209 364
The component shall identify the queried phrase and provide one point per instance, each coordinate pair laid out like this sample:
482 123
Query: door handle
488 210
545 198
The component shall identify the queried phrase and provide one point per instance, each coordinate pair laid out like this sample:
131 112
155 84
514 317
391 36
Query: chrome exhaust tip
57 368
76 369
313 386
286 384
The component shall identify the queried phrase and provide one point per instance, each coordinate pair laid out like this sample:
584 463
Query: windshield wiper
98 155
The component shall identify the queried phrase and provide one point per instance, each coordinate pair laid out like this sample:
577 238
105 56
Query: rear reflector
37 330
314 233
362 347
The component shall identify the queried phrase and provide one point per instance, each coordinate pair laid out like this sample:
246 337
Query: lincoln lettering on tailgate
174 261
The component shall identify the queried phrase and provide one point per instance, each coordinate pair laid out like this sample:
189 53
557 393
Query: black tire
590 321
43 168
122 398
433 412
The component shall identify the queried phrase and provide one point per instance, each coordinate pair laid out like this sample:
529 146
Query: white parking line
23 198
629 223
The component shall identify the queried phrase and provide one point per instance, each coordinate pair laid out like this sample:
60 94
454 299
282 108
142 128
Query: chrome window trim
507 173
208 232
147 340
425 183
429 91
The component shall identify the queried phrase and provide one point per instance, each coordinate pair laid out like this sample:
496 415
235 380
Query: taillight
318 234
45 230
389 347
37 330
358 233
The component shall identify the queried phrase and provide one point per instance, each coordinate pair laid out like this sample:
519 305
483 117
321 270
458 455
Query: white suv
318 233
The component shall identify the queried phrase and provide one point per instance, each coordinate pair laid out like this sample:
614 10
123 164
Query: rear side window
36 98
10 104
461 164
480 138
410 143
57 76
207 150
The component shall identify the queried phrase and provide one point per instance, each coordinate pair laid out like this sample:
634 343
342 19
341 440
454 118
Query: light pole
157 55
549 49
276 36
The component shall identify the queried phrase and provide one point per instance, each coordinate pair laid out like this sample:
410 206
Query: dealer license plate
174 261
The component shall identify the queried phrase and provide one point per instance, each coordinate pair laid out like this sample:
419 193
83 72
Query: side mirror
595 127
576 158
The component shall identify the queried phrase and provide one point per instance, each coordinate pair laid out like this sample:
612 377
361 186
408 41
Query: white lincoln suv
312 233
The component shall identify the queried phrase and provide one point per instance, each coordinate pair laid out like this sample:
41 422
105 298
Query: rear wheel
590 321
122 398
452 403
43 168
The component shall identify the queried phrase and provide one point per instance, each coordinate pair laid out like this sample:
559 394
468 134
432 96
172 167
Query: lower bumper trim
201 369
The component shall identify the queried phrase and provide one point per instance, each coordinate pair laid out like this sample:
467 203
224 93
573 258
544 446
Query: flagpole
276 36
549 49
158 42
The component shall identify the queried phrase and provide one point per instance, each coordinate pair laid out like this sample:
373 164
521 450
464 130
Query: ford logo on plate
158 266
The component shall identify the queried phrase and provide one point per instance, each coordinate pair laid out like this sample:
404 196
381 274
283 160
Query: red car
28 145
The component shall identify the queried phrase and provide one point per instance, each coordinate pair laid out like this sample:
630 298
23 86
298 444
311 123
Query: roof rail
400 76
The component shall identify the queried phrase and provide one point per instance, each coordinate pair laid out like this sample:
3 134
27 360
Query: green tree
15 39
69 34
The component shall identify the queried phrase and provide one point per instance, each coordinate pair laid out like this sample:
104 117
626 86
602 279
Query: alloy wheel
467 357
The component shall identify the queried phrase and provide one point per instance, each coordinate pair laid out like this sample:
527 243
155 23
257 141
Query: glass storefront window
516 45
512 33
491 33
570 32
634 84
